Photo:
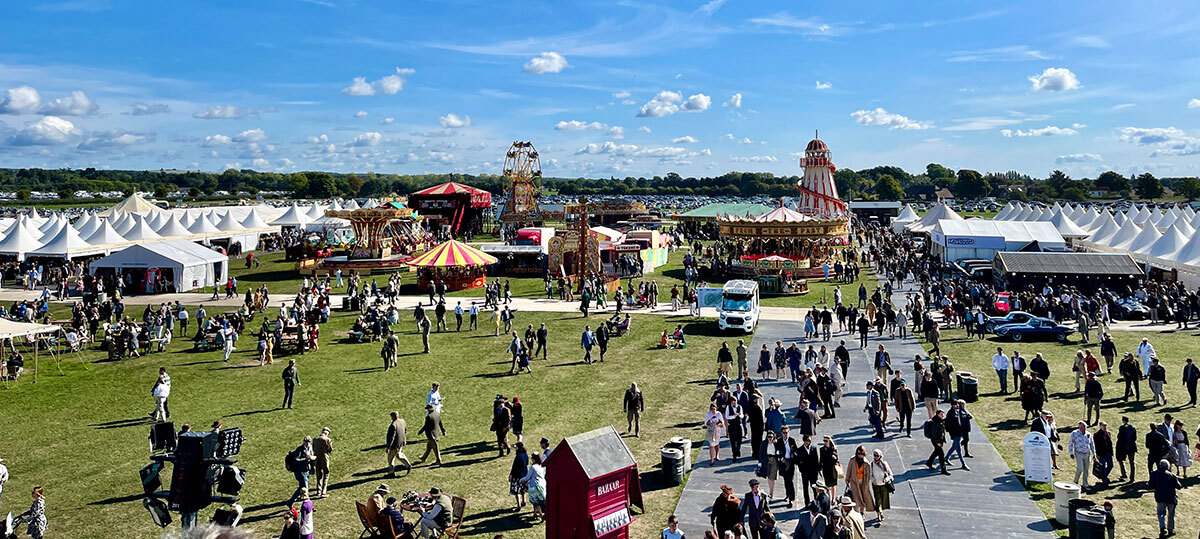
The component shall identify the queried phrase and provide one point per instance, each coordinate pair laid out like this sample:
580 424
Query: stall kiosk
592 481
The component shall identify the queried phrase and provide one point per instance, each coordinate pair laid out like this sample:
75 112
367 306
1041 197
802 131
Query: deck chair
388 531
368 529
456 519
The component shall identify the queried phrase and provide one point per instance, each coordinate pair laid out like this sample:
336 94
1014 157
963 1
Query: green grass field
1002 416
82 435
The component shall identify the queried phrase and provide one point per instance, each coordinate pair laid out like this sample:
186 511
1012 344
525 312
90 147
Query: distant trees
1148 187
971 184
888 188
1188 188
1113 181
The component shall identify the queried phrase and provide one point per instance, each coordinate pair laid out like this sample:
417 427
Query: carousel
784 245
457 264
382 239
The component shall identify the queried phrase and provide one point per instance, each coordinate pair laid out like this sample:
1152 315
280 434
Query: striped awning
452 253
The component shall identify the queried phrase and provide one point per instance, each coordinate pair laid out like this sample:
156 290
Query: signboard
612 522
1037 458
709 297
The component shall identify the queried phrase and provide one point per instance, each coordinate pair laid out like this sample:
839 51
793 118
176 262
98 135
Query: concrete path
986 501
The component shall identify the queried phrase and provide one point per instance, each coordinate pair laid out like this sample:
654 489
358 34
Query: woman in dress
714 421
881 478
535 481
829 465
1183 454
518 412
810 330
36 515
780 359
520 467
306 515
764 363
858 480
768 461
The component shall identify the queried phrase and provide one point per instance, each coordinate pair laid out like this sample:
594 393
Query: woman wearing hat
882 483
726 511
306 515
520 467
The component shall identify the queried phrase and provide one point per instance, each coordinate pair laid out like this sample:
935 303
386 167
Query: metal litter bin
685 445
672 466
1073 506
968 389
1089 524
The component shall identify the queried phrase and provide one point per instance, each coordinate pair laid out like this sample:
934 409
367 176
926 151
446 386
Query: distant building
924 193
883 211
944 195
1099 192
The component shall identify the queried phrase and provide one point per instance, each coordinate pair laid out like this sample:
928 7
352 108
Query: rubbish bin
969 389
1073 506
685 445
1064 491
345 303
1089 524
672 466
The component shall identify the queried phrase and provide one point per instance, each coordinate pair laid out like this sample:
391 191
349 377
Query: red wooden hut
592 481
453 205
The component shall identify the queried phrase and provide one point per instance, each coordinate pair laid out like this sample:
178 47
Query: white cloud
387 121
809 26
754 159
984 123
623 94
454 121
745 140
220 112
706 151
76 104
628 102
547 62
727 136
644 129
44 132
616 132
576 125
735 101
216 140
999 54
387 85
667 103
1124 106
367 139
1094 42
662 153
251 135
360 114
824 85
1168 140
1078 126
113 139
322 139
146 109
880 116
260 162
1194 103
1076 158
20 100
1048 131
685 140
1054 79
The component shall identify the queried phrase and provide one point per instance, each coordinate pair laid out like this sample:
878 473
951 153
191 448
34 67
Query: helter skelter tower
818 192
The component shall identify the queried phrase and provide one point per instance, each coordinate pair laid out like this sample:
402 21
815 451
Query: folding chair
456 519
368 529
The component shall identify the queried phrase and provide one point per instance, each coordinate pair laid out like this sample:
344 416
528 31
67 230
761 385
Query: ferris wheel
523 169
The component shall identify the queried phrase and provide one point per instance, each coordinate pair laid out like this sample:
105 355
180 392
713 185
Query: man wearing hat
433 431
754 504
396 439
375 503
852 520
438 517
811 524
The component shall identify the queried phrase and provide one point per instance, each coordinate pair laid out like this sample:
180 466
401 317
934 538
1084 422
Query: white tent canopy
1108 228
133 203
173 228
254 220
192 266
1125 236
66 244
1168 245
931 218
203 226
293 217
1067 228
105 234
980 238
1144 240
229 224
141 231
19 241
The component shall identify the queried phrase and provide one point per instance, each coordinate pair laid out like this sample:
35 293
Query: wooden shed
591 483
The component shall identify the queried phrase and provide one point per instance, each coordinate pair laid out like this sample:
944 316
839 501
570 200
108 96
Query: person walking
322 448
743 371
874 409
1145 351
954 423
161 392
1000 364
858 480
291 379
397 437
714 422
734 420
602 340
1126 448
1093 393
883 363
433 431
724 360
935 431
808 460
882 483
1132 374
1191 375
811 524
36 515
902 396
831 468
634 404
501 424
586 341
515 348
768 462
754 508
1183 451
1166 489
301 459
541 336
1104 452
1082 448
1157 379
424 326
520 467
930 391
458 316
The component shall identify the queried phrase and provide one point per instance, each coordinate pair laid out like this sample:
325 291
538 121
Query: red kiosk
592 481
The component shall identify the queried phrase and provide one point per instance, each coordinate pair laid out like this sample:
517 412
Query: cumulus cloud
1194 103
387 121
221 112
388 85
735 101
623 94
1123 106
1167 140
260 162
547 62
880 116
20 100
251 135
644 129
685 140
216 140
114 139
576 125
1076 158
360 114
727 136
1054 79
146 109
76 104
367 139
320 139
754 159
1048 131
667 103
454 121
616 132
663 153
824 85
47 131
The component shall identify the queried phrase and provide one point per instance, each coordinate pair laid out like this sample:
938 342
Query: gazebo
454 206
457 264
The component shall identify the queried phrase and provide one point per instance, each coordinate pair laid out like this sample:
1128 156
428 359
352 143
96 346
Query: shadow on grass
498 521
253 412
122 423
504 374
364 370
118 499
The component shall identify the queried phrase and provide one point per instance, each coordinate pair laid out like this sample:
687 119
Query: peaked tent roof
202 225
450 188
141 231
65 243
1108 228
931 218
253 220
133 203
782 214
229 224
1144 240
88 225
1129 231
19 241
124 223
173 227
712 211
1067 227
105 234
453 253
315 212
1189 254
351 205
294 216
907 214
1000 215
1168 245
49 232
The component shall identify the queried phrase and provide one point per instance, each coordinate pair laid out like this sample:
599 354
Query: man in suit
1191 375
905 405
873 409
788 451
755 416
542 337
808 459
634 405
433 431
754 504
396 439
810 525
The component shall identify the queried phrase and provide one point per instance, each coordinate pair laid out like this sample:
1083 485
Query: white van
739 305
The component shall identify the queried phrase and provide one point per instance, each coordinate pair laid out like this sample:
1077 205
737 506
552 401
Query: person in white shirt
1083 449
458 314
3 476
672 530
161 392
1000 363
474 311
434 398
1145 351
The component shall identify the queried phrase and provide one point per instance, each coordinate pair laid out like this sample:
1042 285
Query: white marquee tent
192 265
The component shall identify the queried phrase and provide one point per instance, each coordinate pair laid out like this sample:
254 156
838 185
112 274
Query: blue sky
601 88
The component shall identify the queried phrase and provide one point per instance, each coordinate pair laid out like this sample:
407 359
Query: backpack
928 428
289 462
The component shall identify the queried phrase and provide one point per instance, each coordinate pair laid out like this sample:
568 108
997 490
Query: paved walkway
986 501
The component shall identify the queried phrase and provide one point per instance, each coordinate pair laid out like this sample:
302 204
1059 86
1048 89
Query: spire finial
816 133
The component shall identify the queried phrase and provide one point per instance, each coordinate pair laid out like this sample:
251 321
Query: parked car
1035 329
1131 309
1014 317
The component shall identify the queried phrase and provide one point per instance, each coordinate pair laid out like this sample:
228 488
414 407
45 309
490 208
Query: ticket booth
591 484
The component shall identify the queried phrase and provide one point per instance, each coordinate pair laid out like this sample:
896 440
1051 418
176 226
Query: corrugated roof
1068 263
724 208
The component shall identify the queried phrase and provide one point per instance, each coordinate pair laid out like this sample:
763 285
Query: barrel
969 389
345 303
1073 507
672 466
683 444
1064 491
1089 524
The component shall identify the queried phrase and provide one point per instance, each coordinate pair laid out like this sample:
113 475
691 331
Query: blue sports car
1015 317
1035 329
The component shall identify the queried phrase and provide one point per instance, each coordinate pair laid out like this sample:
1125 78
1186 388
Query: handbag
891 486
841 472
758 471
